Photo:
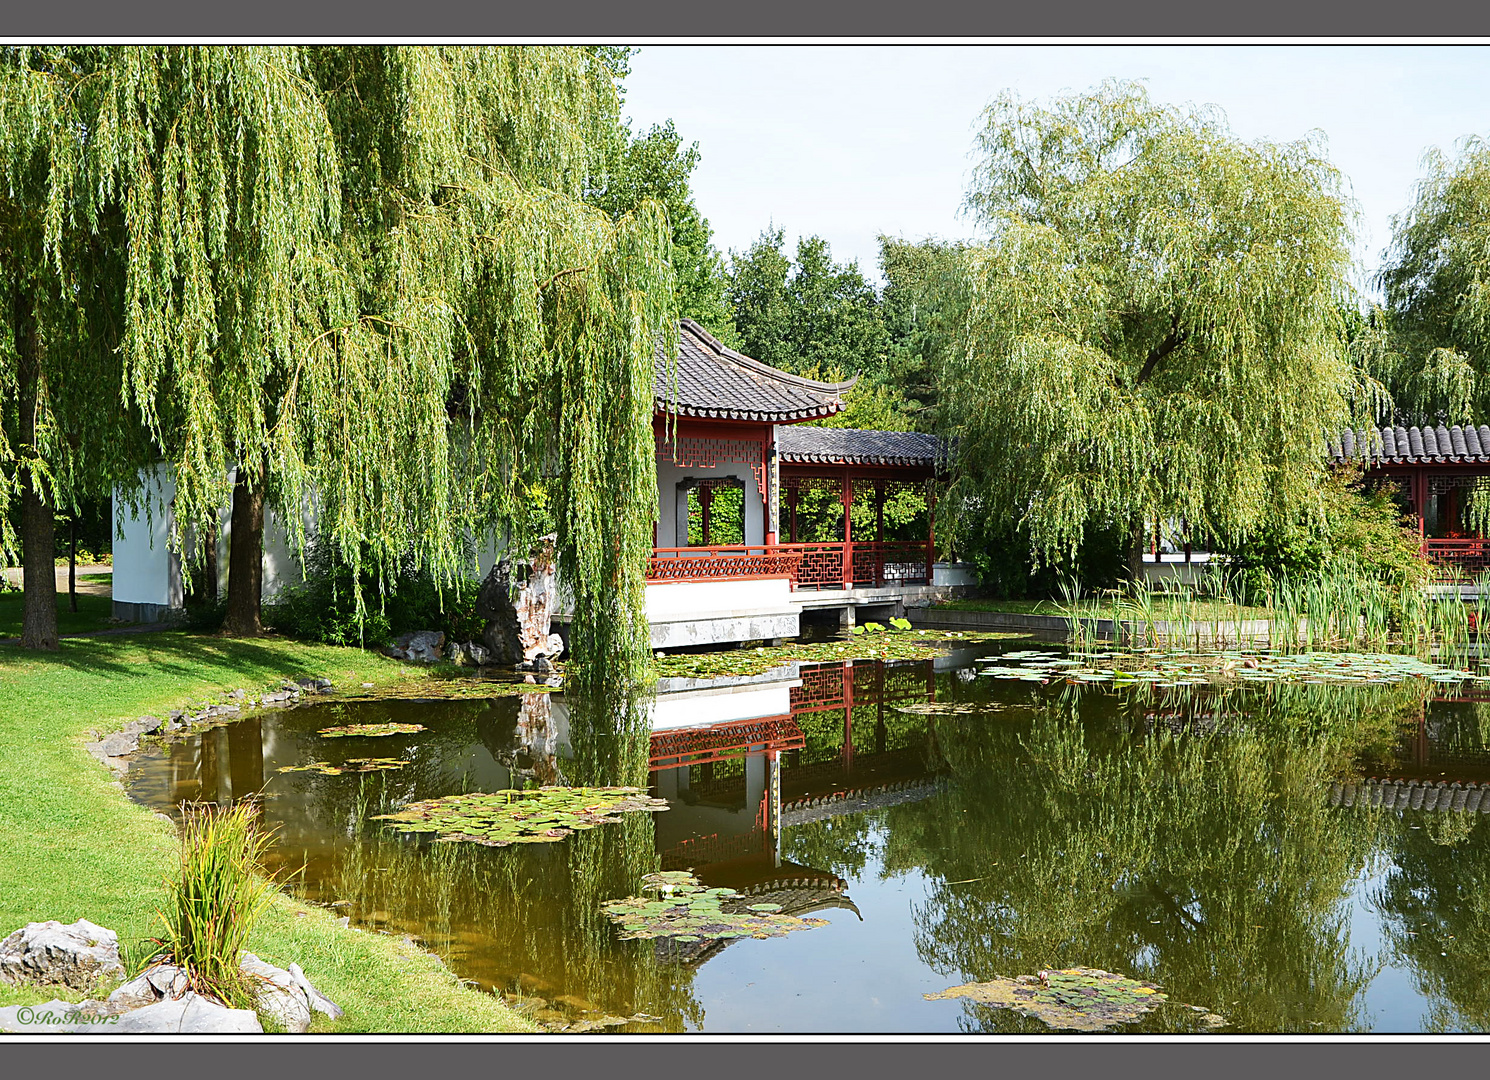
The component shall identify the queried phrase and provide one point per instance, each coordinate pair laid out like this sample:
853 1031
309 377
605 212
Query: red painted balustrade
809 566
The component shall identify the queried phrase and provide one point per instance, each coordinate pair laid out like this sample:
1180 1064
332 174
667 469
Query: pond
938 824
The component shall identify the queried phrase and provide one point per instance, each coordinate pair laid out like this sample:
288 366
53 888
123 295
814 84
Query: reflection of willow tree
1435 905
1205 861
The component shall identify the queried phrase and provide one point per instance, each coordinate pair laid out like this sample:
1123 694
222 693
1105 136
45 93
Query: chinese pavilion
1432 472
724 421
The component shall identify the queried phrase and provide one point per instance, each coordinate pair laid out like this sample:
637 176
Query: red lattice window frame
693 452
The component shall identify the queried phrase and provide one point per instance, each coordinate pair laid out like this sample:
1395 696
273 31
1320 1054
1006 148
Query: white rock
49 952
190 1014
318 1001
279 996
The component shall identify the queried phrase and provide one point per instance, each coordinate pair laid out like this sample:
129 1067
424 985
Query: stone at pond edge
278 995
49 952
420 646
501 637
190 1014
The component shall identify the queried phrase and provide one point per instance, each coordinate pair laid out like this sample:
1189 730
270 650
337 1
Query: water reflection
1184 838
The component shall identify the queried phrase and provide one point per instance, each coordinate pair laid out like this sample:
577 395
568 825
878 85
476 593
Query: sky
851 141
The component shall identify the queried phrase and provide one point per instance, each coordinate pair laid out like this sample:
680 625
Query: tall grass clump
218 895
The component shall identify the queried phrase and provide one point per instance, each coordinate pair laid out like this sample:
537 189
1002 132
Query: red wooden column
930 530
879 532
1420 505
848 716
847 497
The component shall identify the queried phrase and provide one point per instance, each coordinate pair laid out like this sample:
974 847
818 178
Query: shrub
1354 529
324 607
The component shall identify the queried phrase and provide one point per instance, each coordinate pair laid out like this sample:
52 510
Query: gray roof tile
1389 446
716 381
801 445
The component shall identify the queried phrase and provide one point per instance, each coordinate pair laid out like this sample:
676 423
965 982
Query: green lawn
93 613
1198 610
72 846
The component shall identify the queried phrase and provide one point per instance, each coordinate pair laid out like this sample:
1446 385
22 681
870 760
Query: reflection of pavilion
741 758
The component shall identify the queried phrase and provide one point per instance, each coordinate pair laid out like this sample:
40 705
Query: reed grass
1342 609
218 895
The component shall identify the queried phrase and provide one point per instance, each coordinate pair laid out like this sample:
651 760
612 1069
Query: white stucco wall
672 518
145 571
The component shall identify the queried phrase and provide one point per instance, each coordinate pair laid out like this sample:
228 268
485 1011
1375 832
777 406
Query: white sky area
848 141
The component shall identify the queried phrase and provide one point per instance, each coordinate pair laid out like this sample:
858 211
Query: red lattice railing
1458 559
728 563
809 566
694 746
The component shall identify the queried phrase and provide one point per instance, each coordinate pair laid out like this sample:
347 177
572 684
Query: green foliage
218 895
1154 294
325 606
811 315
918 303
656 166
1431 344
1001 554
1345 528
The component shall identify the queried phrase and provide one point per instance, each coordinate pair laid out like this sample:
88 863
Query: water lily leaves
368 730
351 765
1074 999
687 911
1176 669
500 818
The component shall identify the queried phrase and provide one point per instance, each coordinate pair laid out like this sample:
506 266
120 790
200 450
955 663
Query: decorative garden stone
49 952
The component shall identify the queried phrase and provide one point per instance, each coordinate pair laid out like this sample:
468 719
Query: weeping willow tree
1431 342
1151 331
495 332
70 432
367 280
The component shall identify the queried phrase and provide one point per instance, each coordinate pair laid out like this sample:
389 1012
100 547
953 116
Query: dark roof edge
751 364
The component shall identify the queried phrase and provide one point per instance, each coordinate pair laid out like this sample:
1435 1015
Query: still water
950 828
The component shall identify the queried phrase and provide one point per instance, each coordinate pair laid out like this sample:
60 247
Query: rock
191 1014
48 952
455 653
555 647
279 996
135 993
168 980
421 646
145 725
238 695
318 1001
541 664
120 743
477 653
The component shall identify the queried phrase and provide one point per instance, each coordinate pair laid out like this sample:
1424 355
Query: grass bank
72 846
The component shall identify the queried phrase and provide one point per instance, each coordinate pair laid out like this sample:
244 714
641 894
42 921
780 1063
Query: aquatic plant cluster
1177 667
688 911
368 730
1072 999
351 765
1340 609
500 818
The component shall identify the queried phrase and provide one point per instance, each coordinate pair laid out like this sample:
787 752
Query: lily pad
351 765
690 912
500 818
368 730
1073 999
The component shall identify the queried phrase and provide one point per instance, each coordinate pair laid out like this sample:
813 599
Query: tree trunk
38 528
1137 541
245 559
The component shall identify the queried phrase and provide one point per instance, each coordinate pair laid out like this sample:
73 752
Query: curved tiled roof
714 380
851 446
1400 445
